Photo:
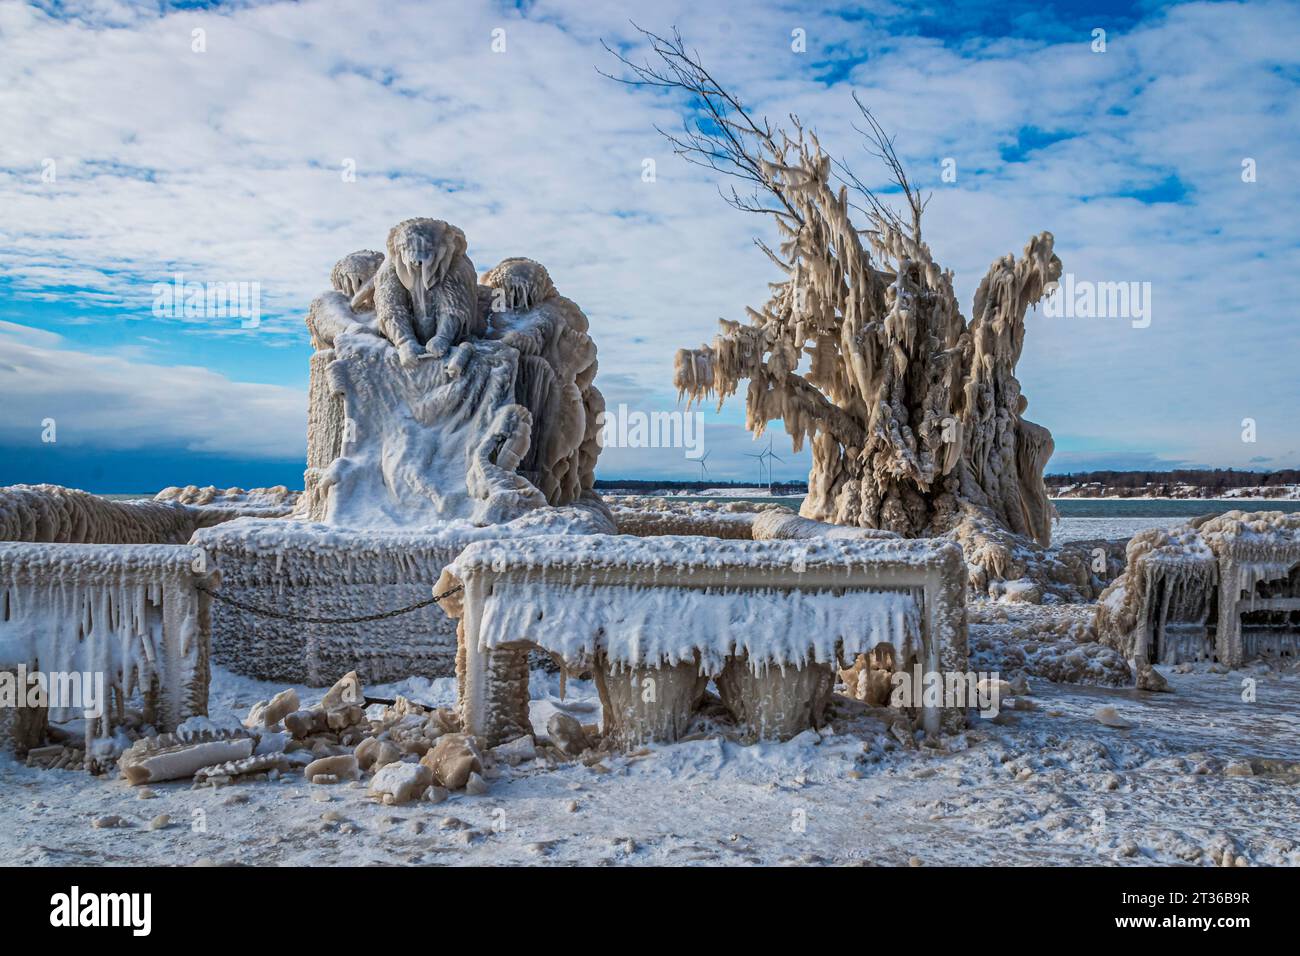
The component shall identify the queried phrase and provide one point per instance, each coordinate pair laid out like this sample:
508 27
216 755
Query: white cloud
110 401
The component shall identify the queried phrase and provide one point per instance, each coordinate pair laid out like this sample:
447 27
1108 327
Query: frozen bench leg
494 691
644 704
22 728
776 703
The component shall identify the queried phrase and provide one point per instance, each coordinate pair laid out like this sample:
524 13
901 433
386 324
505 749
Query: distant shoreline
751 494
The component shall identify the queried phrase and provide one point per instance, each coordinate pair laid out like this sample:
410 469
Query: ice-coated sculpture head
523 284
422 250
354 270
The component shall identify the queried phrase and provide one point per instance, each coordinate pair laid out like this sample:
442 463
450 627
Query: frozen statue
424 291
436 398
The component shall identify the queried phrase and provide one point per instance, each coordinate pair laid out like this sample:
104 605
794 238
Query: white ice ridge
51 513
843 557
635 625
129 612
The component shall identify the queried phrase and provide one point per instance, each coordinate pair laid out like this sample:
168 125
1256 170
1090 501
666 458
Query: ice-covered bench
656 618
1225 586
131 612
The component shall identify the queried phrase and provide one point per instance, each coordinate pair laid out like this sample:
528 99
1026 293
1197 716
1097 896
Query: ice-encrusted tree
914 414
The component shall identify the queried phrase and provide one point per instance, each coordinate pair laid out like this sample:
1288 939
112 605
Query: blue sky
225 165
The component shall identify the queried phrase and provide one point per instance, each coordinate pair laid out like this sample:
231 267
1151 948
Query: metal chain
280 615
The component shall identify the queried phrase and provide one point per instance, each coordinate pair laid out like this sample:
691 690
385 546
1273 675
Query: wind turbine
771 456
704 469
760 456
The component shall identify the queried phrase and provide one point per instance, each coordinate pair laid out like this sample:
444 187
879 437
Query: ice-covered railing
1159 609
132 613
769 620
1259 582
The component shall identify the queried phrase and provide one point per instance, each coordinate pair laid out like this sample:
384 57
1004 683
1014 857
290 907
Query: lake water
1082 519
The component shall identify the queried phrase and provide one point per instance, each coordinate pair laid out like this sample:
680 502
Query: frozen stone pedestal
308 570
659 616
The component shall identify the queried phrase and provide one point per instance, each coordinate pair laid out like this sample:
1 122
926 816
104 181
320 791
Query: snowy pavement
1051 785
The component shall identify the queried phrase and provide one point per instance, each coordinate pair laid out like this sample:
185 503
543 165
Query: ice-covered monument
454 424
453 432
443 409
1223 587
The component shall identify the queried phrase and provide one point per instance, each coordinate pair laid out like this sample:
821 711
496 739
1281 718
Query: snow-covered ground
1046 784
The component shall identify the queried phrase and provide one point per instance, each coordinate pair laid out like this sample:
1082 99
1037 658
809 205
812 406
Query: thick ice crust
66 515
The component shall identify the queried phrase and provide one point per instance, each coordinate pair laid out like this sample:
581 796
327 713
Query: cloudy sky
259 142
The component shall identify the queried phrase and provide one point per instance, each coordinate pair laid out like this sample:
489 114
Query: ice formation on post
24 719
436 398
1225 586
770 619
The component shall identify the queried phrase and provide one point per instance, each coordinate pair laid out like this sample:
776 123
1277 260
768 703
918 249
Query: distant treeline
1218 479
640 486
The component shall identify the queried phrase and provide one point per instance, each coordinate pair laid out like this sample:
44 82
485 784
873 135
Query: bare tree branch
727 138
881 145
